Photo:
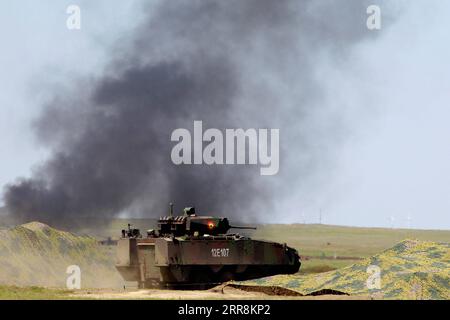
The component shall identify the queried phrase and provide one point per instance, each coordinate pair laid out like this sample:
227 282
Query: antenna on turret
171 209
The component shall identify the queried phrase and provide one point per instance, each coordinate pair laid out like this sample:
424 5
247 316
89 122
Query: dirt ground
217 293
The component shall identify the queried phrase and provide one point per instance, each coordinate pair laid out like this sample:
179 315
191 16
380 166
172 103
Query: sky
393 168
397 169
38 50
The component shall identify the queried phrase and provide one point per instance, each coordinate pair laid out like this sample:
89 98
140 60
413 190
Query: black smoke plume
231 64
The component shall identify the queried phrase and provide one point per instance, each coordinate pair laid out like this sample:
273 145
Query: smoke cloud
230 64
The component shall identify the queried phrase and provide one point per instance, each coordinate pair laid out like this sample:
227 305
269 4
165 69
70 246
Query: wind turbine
392 219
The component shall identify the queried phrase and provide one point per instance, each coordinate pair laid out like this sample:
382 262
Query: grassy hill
411 269
36 254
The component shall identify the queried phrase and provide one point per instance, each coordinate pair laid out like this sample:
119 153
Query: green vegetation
32 293
331 247
411 269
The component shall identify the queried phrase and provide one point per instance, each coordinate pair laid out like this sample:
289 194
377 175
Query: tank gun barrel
242 227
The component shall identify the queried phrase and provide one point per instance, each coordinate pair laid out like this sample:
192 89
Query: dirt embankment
38 255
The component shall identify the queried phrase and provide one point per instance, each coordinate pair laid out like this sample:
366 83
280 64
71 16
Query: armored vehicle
191 250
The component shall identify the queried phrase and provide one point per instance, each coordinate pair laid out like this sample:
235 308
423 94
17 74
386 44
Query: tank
198 251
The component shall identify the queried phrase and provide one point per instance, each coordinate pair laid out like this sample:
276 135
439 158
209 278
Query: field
32 293
322 248
330 247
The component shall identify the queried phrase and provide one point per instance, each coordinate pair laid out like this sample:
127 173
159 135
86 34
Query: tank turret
193 225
